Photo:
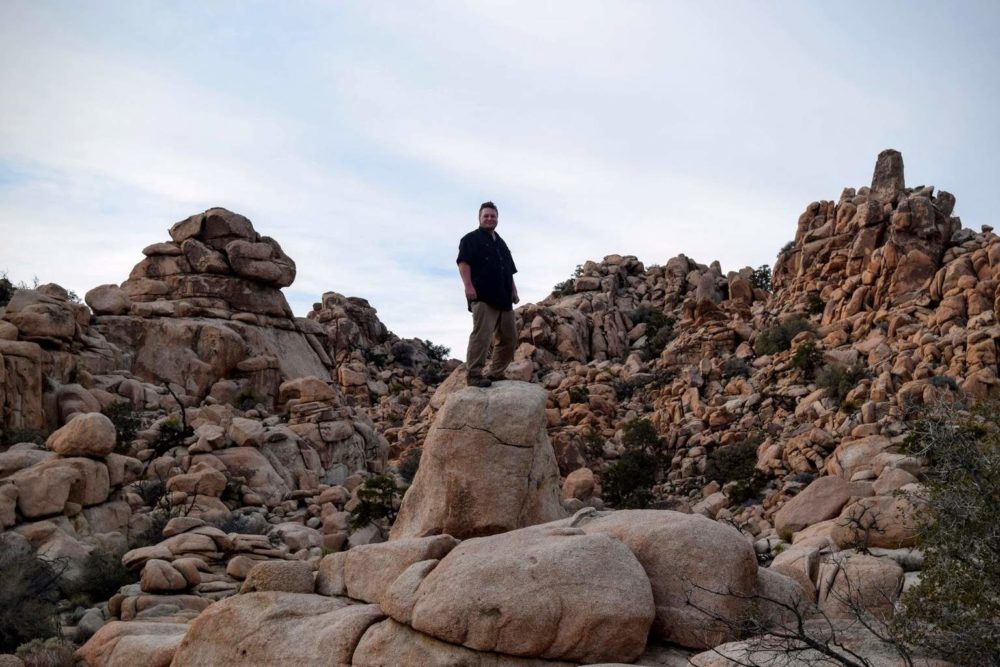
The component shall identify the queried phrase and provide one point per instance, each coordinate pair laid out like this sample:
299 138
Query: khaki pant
490 325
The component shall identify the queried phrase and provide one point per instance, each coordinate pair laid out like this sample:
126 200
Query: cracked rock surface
487 466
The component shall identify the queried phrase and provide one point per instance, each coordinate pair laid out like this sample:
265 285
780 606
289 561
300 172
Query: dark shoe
479 382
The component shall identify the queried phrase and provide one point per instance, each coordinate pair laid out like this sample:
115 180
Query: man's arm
513 292
465 271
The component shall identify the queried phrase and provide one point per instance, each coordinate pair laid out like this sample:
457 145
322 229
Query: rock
821 500
850 582
769 650
276 628
487 466
579 484
888 179
90 434
108 300
851 456
289 576
159 576
119 644
546 591
687 556
41 492
776 597
369 570
890 522
246 432
201 479
392 644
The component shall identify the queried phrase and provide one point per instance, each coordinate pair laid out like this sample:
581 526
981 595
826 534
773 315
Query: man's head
488 216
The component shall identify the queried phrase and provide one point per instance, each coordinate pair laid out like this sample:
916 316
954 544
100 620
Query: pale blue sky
364 135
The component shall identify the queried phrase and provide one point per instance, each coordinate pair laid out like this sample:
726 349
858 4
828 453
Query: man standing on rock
487 271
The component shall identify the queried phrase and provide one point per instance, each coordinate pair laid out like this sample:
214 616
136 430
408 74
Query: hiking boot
479 382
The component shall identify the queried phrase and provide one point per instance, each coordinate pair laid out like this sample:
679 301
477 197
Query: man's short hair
488 204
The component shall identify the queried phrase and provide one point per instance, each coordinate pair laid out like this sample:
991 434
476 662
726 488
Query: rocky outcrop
487 467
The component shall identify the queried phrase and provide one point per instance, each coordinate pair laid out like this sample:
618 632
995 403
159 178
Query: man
487 271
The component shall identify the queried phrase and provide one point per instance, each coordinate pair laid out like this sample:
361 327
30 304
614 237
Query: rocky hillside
187 458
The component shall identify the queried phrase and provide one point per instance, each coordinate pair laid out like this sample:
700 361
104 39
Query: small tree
954 610
628 483
761 277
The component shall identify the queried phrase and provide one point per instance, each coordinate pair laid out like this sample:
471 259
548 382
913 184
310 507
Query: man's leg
484 322
506 340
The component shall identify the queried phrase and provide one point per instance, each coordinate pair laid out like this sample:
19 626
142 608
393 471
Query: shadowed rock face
888 177
487 467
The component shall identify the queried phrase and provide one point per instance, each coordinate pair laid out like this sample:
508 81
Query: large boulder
702 572
120 644
276 628
821 500
552 592
487 466
90 434
392 644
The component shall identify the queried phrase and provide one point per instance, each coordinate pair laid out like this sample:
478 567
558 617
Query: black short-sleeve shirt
492 267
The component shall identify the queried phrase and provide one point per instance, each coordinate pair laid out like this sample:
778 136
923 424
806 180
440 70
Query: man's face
488 219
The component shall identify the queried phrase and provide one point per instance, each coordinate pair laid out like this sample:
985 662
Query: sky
364 135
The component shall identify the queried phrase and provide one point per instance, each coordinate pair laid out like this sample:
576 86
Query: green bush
807 358
438 353
247 398
409 463
838 380
593 447
170 433
579 394
628 482
127 424
954 610
659 329
787 248
103 575
736 463
736 367
244 523
377 497
761 278
7 290
51 652
28 596
814 303
568 286
15 436
779 337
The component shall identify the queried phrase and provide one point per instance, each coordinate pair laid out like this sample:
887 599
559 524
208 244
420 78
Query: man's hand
514 296
470 292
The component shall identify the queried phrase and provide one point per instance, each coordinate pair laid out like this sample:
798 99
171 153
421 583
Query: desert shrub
244 523
779 337
659 329
761 278
954 610
628 482
593 447
944 382
247 398
7 290
409 463
170 433
787 248
736 463
438 353
807 358
839 380
568 286
103 575
152 533
814 303
736 367
14 436
377 497
28 595
579 394
127 424
51 652
150 490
